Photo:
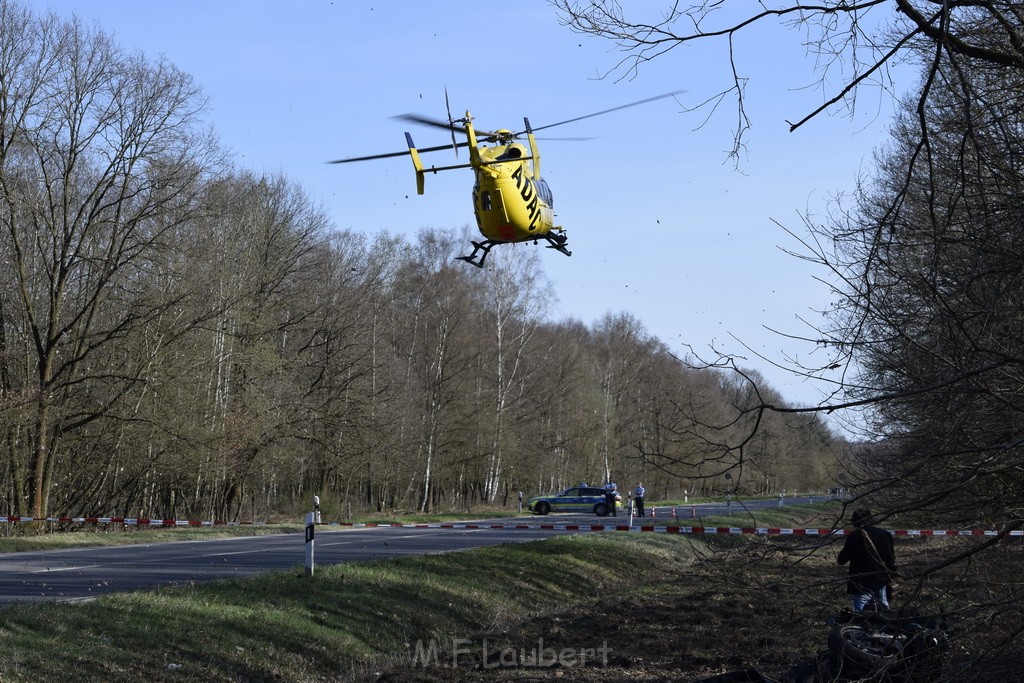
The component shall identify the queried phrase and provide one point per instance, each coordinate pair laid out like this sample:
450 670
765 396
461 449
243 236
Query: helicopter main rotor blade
444 125
452 128
427 121
396 154
608 111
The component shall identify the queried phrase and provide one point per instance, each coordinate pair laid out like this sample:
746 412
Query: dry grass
745 604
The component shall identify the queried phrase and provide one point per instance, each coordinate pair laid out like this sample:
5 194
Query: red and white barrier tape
126 521
726 530
720 530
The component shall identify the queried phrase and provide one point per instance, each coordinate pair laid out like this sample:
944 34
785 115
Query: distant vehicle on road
575 499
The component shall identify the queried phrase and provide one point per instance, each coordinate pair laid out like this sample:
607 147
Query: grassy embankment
341 624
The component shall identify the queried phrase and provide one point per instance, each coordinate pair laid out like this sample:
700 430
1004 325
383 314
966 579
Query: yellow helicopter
511 201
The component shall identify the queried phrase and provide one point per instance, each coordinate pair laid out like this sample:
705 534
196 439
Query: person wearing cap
638 497
872 558
610 490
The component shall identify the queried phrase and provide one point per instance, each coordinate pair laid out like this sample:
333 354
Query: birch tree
516 302
433 300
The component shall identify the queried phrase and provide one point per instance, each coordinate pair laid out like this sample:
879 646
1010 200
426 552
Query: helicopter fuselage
511 205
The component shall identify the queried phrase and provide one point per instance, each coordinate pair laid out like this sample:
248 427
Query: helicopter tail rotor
451 122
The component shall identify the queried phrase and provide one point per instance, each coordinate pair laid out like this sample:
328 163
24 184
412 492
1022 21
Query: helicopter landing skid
483 247
557 242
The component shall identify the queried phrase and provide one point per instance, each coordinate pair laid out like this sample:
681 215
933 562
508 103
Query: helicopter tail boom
421 171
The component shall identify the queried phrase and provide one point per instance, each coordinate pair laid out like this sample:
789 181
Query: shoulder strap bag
889 579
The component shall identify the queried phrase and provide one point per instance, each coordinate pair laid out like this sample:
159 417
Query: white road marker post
311 520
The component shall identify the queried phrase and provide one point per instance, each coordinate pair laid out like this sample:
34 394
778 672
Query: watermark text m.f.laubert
464 651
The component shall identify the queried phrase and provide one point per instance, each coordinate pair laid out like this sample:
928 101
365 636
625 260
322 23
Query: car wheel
601 510
543 508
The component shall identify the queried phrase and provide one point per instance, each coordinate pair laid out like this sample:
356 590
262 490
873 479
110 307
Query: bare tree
271 249
95 146
434 301
516 302
563 437
852 43
932 317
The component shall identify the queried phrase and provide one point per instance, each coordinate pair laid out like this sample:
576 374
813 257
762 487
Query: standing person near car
638 498
610 491
872 558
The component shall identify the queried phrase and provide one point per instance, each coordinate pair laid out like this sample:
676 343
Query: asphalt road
86 573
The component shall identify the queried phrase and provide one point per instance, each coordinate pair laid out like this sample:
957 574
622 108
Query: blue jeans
860 600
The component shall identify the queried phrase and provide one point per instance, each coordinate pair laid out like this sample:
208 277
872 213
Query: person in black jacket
872 558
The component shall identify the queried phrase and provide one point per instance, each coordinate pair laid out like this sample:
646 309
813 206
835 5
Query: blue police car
575 499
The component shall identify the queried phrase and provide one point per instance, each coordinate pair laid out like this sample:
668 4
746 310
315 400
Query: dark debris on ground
753 607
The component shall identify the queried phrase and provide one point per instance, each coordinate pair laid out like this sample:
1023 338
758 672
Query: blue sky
660 222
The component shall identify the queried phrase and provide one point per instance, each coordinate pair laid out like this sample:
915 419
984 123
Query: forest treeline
179 338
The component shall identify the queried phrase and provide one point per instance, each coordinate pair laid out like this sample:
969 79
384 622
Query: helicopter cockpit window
485 200
545 193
